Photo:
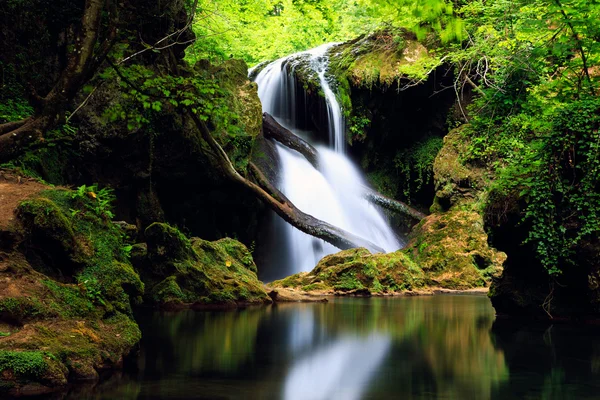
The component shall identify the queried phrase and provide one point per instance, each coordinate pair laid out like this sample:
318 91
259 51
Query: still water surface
441 347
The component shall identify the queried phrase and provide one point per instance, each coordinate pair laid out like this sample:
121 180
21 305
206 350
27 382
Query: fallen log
273 130
392 205
277 201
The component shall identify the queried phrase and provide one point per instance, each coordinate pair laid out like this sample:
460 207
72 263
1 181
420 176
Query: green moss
69 301
452 249
381 58
24 364
198 271
458 184
165 241
22 309
167 291
358 269
44 217
348 281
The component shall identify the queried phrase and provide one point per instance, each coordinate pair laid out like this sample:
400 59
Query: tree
91 45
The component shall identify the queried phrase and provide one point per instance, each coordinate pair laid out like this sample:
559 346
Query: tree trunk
393 205
82 63
277 201
273 130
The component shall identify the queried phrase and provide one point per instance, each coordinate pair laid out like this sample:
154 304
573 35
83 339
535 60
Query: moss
457 183
24 364
167 291
357 270
21 309
165 241
452 249
198 271
69 301
448 250
45 218
381 58
80 327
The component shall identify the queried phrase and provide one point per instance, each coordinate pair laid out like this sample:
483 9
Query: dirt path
13 190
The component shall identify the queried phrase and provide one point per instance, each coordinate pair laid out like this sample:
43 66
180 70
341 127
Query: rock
284 295
130 230
66 300
357 271
457 184
180 272
453 251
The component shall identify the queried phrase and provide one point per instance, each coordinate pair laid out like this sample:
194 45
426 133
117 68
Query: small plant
93 290
95 200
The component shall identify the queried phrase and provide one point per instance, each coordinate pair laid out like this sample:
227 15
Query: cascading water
335 192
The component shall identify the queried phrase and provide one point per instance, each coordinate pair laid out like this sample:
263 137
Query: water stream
334 193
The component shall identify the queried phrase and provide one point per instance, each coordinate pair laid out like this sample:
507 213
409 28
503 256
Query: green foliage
422 17
98 201
415 164
357 128
14 110
25 364
558 178
146 93
535 121
268 29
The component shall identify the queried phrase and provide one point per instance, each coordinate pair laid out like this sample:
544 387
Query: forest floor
13 190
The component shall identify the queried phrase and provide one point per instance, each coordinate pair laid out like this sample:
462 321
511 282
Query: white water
335 192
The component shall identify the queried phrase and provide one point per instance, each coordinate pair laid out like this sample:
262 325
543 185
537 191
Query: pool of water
440 347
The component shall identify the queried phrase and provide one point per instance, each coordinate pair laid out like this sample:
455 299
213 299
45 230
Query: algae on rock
179 271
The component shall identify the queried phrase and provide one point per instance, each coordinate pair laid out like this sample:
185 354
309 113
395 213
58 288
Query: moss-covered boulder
66 291
358 272
458 184
453 251
193 272
381 58
446 251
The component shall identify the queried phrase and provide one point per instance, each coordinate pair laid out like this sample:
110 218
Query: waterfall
334 193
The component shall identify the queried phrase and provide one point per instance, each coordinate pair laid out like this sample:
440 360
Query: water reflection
340 370
412 348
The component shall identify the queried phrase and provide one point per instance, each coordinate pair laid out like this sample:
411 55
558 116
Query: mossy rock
458 184
357 271
164 242
42 217
378 59
453 251
447 251
65 304
233 76
197 272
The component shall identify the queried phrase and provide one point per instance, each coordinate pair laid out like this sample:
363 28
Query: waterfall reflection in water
341 370
441 347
